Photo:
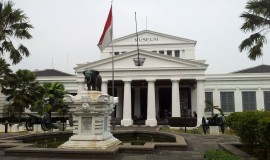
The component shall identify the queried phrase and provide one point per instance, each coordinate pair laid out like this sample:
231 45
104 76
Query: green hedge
182 121
253 127
220 155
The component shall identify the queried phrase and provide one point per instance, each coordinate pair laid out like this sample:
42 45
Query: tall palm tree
52 99
4 70
4 67
257 21
13 25
21 90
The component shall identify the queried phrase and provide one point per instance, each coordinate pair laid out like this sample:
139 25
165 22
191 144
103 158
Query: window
116 53
227 101
266 100
177 53
169 52
209 98
161 52
249 100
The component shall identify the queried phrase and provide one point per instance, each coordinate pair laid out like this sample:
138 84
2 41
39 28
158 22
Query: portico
151 97
165 83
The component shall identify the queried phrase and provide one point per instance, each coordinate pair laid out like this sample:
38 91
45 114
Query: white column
216 98
137 105
81 87
157 102
238 100
119 109
194 98
151 107
104 87
127 119
260 99
200 101
175 99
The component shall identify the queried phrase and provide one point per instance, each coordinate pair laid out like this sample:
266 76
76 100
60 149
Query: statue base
91 112
84 144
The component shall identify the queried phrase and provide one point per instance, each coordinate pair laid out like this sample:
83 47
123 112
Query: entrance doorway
165 101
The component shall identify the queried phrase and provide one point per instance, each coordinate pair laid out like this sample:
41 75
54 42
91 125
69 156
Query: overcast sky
66 32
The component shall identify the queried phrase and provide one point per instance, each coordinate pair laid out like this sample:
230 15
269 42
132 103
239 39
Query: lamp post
6 126
138 61
185 112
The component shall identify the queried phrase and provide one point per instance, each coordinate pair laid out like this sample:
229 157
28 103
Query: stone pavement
197 145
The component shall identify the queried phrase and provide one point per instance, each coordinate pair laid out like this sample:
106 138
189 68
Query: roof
51 72
158 62
257 69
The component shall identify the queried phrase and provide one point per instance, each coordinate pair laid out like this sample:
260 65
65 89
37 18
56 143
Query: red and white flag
106 36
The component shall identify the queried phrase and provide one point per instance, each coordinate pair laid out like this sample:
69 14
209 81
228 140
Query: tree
4 67
52 98
257 21
209 106
21 90
13 25
4 70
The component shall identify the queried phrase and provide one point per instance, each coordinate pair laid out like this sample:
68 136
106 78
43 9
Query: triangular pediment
153 61
147 37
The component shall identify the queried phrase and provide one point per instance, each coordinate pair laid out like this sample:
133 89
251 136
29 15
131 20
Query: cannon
46 122
213 121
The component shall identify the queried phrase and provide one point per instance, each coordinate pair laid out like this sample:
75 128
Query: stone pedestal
91 110
214 130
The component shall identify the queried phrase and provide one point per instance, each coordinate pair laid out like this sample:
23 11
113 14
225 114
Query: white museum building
170 80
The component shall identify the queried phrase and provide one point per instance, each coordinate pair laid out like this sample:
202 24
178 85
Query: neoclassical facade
171 81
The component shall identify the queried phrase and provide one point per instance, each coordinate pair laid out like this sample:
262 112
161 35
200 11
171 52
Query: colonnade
124 108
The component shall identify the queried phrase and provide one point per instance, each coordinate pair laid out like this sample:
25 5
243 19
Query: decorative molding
85 99
85 107
68 98
103 98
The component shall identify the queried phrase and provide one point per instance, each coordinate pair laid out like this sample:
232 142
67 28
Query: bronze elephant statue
92 79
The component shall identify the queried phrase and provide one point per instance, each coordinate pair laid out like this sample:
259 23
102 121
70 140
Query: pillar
157 102
176 99
137 105
238 101
260 99
104 87
200 101
119 109
81 87
127 119
151 107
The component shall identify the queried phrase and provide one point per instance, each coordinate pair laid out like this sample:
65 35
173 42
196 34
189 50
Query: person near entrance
166 115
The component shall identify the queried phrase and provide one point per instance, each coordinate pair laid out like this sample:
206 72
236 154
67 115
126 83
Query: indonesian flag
106 36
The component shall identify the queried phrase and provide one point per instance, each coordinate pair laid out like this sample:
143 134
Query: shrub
253 127
182 121
220 155
245 125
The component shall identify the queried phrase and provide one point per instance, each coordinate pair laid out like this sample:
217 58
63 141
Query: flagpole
112 55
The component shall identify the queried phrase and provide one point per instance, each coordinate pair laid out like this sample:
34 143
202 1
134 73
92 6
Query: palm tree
13 25
209 106
4 70
21 90
4 67
52 98
257 21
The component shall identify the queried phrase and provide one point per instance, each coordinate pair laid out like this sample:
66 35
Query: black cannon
46 122
213 121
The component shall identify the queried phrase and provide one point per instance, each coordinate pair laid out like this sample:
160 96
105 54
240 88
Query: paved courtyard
197 145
